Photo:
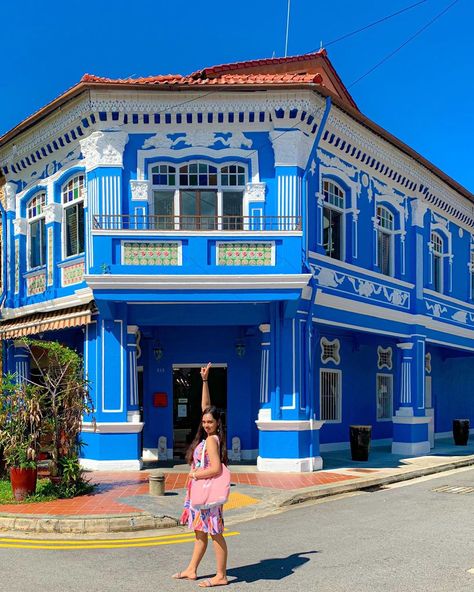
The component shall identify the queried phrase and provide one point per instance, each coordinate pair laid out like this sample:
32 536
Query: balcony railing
192 223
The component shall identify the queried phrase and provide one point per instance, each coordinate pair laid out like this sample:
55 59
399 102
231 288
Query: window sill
35 271
72 260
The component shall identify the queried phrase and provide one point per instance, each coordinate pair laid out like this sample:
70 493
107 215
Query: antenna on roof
287 27
321 44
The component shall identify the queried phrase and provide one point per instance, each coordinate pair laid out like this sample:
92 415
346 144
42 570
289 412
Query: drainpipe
309 360
4 247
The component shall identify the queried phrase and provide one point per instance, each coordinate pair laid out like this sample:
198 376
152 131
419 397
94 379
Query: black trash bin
461 431
360 441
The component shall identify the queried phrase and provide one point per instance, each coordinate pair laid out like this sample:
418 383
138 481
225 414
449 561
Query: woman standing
206 522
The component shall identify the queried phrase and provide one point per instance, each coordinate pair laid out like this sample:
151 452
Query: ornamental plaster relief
20 226
53 213
10 190
291 147
140 190
104 148
418 211
198 137
255 192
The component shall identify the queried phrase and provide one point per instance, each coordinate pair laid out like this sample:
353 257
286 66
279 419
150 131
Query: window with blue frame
333 220
437 253
73 201
36 230
198 196
385 240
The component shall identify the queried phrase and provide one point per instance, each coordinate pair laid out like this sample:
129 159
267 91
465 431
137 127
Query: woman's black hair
201 434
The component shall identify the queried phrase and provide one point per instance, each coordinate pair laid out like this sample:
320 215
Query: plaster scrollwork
436 309
418 211
10 196
104 148
291 147
331 161
53 213
20 226
158 140
327 277
428 363
364 287
330 164
139 190
255 191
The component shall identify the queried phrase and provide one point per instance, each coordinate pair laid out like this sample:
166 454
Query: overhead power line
392 53
370 25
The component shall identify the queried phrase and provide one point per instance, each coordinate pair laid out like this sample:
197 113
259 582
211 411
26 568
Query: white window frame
471 274
390 232
65 206
386 376
339 395
437 251
335 208
219 188
36 218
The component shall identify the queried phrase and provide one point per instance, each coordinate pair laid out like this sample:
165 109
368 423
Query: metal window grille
384 357
330 350
330 395
384 396
384 244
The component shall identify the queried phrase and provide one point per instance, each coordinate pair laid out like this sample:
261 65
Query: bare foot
184 575
215 581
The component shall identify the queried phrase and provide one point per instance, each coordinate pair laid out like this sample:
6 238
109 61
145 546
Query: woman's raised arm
206 397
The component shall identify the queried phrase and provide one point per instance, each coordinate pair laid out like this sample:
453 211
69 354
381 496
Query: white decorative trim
291 147
118 427
194 153
53 212
418 211
405 346
20 226
140 190
246 234
264 328
82 296
104 148
193 282
411 448
255 192
10 196
110 465
289 465
410 420
288 425
442 297
428 363
362 270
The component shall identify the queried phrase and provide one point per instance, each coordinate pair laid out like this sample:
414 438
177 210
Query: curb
85 524
321 491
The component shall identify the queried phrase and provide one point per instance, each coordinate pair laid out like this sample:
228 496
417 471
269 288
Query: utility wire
391 54
370 25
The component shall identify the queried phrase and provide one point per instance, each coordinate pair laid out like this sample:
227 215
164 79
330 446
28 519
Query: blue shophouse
248 214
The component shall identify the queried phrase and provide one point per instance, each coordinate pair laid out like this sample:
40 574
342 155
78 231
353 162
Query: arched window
72 195
385 233
333 217
233 185
437 250
36 230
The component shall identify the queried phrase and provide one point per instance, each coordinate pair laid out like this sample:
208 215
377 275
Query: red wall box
160 400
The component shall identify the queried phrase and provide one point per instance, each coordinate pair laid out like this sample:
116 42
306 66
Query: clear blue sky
423 95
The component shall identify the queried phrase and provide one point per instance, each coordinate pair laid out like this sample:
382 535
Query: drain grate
461 489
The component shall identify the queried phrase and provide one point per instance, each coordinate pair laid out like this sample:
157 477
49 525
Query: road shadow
269 569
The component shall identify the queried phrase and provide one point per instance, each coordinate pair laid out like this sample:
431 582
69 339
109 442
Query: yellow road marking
239 500
58 545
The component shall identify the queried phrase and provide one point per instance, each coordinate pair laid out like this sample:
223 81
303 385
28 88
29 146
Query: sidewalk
121 502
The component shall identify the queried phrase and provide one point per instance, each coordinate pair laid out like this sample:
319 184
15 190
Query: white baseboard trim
289 465
411 448
110 465
335 446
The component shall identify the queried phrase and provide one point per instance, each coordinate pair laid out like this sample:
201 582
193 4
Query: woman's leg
200 546
220 550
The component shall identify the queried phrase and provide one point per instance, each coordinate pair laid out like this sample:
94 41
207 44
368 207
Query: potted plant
21 420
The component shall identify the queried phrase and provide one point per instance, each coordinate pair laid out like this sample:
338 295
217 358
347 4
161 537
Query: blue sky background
423 94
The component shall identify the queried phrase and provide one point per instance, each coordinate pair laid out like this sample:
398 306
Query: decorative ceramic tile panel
17 266
50 256
73 274
36 284
245 254
151 253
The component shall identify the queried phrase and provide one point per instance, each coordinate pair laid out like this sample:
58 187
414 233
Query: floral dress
210 521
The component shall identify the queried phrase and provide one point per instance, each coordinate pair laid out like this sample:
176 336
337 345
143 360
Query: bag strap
202 454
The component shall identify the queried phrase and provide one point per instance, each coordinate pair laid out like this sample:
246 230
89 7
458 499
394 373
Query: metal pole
287 28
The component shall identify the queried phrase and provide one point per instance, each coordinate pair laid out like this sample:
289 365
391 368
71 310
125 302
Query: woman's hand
205 371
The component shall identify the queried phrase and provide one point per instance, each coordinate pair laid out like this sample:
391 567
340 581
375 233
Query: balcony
191 223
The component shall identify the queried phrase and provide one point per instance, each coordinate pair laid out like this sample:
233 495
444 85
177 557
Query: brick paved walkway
113 487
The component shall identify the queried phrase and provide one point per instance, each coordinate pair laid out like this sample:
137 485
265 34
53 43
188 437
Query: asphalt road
407 538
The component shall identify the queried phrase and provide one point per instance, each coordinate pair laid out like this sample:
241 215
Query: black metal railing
137 222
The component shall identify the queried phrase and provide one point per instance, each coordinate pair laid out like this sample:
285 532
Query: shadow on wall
269 569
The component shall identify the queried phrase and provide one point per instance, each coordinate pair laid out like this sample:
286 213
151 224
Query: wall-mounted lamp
240 349
158 352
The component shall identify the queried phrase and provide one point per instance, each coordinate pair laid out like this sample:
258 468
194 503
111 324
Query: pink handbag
208 493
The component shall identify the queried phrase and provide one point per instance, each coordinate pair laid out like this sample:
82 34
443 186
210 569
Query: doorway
187 388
